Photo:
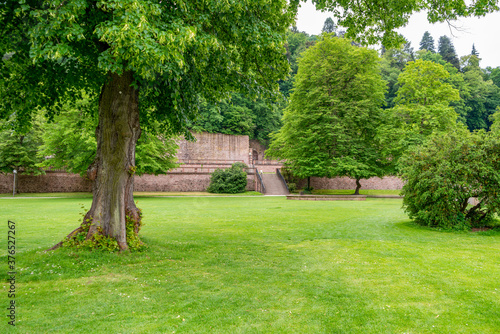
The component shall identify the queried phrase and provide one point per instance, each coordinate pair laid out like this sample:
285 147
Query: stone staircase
274 185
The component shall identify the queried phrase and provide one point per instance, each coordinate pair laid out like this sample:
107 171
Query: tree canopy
422 107
330 123
177 54
370 21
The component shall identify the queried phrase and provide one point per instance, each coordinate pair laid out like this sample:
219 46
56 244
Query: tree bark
358 186
113 170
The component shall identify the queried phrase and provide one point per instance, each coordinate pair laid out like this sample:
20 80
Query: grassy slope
259 265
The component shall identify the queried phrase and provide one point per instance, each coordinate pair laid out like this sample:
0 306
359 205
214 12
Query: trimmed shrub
447 171
229 181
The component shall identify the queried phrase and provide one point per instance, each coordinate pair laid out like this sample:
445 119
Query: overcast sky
483 32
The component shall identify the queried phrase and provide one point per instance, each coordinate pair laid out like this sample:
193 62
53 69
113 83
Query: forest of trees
479 90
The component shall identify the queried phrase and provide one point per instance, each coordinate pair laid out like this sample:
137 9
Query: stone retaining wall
180 182
211 147
66 182
174 181
386 183
198 160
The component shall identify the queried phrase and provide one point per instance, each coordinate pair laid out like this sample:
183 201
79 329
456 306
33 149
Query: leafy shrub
448 170
290 179
307 191
239 165
229 181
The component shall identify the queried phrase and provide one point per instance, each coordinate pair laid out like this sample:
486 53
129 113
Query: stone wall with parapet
214 148
385 183
66 182
195 179
51 182
180 182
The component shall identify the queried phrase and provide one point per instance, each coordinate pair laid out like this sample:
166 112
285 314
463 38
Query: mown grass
361 192
253 265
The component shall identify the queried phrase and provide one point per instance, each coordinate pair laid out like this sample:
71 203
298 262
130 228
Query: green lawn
361 192
253 265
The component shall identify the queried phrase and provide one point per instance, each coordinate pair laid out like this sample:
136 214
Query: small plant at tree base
229 181
99 241
445 173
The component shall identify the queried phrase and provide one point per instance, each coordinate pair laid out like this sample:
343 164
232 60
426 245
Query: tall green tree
482 98
422 107
427 42
423 97
392 64
18 151
330 124
455 78
447 51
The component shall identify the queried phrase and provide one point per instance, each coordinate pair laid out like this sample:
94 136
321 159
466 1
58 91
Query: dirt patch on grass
480 229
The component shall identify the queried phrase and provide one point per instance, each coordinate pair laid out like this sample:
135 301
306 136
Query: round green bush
443 176
229 181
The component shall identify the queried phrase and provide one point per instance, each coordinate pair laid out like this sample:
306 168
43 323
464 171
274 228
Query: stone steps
274 185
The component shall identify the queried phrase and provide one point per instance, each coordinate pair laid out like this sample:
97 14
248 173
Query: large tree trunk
114 166
112 172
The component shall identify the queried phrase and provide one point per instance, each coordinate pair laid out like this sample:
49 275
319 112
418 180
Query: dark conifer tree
447 51
474 51
329 26
427 43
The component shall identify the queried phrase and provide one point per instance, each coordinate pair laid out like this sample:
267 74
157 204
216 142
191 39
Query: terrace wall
385 183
